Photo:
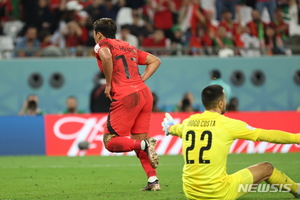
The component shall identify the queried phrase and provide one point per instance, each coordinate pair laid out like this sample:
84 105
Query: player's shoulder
103 43
97 48
226 118
231 122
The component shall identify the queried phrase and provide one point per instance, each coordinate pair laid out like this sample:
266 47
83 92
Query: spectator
155 100
228 5
198 16
269 4
148 12
257 26
190 16
66 15
281 28
294 25
84 22
273 43
222 40
72 106
94 10
6 47
31 106
47 48
55 4
294 13
5 10
164 9
233 104
109 9
185 14
85 3
186 103
30 12
45 18
135 4
157 40
99 103
27 46
177 41
200 43
125 35
210 25
250 44
12 27
138 27
45 38
216 79
228 23
72 33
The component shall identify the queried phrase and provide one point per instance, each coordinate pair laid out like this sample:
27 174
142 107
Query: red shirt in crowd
282 28
254 28
163 18
230 27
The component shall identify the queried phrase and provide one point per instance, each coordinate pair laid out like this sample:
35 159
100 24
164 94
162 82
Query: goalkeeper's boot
297 195
150 150
153 186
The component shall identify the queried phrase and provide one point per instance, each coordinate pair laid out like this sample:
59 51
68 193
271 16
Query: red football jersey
126 78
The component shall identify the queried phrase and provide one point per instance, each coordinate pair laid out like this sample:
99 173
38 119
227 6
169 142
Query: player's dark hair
125 26
106 26
71 97
211 95
215 74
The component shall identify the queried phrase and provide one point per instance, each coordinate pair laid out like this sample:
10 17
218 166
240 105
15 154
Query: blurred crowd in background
49 28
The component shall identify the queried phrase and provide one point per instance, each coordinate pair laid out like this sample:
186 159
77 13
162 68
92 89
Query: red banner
64 132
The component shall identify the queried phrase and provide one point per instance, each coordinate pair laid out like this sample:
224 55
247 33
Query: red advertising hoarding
64 132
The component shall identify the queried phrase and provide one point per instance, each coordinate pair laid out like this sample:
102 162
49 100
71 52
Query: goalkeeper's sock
145 162
123 144
280 179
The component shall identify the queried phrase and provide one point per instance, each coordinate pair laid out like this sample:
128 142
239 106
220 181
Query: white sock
152 179
298 192
143 145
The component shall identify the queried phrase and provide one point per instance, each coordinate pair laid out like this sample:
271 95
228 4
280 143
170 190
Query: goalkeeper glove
167 122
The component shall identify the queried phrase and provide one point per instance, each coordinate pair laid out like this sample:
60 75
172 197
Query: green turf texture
115 177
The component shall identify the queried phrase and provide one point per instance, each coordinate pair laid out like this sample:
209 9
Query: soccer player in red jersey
131 105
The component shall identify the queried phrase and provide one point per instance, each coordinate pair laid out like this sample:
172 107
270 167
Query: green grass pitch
115 177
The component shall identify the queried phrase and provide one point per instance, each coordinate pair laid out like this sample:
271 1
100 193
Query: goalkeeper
206 141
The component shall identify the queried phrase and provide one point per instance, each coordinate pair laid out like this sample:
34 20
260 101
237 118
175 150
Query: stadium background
36 135
279 91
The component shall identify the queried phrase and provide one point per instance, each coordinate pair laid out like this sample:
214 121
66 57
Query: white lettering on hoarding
88 132
92 130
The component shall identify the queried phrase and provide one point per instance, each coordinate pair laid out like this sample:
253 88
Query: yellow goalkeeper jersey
206 141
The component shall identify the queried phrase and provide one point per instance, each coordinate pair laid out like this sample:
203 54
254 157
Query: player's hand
167 122
107 91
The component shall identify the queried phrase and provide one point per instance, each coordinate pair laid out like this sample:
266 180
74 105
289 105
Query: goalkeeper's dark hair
211 95
106 26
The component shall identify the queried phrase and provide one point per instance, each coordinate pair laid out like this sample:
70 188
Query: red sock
145 163
123 144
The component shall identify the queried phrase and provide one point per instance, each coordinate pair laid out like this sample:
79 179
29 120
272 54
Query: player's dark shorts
130 114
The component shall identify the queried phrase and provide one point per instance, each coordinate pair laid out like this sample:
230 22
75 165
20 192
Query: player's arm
169 126
176 130
107 65
241 130
152 63
279 137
